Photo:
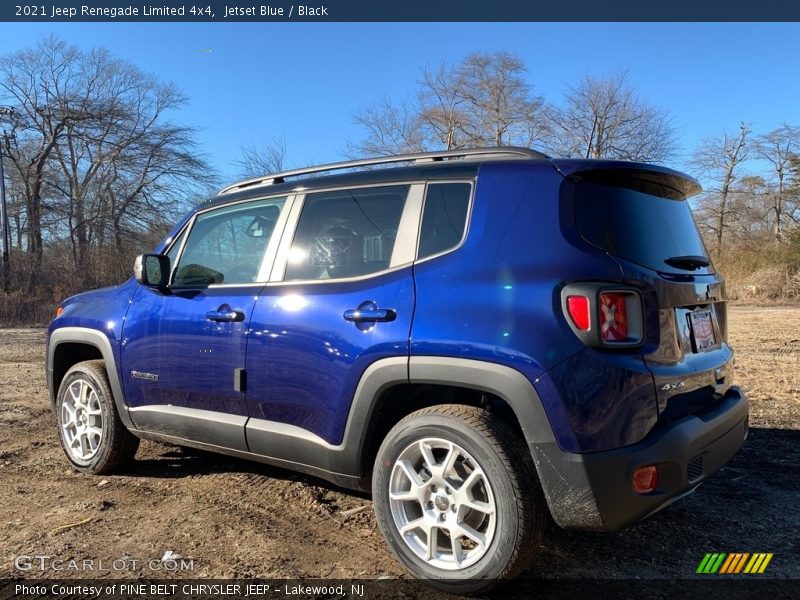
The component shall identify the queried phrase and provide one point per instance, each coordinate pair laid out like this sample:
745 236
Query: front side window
227 245
346 233
172 254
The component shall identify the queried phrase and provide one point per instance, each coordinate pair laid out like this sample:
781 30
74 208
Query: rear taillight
613 316
604 316
578 309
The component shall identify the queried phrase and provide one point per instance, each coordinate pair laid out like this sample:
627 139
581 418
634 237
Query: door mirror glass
151 270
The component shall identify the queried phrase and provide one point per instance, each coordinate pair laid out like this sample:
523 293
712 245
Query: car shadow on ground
748 506
178 462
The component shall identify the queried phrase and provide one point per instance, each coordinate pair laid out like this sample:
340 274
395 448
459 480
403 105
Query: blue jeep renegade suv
477 337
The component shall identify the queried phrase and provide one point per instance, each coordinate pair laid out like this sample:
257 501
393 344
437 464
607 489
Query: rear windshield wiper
689 263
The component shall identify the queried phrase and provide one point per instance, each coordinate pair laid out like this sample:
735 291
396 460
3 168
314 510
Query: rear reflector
645 479
578 307
613 317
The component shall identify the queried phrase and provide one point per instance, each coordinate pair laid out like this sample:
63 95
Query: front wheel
92 435
455 496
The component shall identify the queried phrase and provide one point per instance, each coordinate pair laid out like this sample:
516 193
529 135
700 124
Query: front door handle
368 312
225 314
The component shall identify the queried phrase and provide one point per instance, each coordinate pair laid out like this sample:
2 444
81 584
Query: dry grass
767 344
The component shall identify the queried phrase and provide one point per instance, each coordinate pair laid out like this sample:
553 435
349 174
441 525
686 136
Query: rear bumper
594 491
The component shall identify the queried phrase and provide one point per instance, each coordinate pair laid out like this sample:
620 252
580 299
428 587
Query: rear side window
444 218
346 233
642 227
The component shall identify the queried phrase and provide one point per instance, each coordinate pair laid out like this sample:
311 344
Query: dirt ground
236 519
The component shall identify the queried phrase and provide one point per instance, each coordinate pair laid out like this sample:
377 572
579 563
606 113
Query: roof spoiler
641 177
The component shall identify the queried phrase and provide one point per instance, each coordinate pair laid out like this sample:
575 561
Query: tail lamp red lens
578 308
645 479
613 316
603 316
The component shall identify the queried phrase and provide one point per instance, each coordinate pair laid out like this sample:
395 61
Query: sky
252 82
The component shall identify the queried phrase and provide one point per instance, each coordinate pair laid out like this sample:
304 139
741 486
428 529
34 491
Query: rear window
641 227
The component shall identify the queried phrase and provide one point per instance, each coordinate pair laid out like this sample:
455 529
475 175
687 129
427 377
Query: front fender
99 340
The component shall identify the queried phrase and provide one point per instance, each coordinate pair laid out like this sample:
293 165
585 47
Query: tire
92 434
467 476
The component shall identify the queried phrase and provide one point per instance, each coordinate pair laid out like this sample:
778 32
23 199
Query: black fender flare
293 444
507 383
99 340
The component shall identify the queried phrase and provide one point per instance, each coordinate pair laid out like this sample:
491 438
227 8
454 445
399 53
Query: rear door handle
225 314
378 314
368 312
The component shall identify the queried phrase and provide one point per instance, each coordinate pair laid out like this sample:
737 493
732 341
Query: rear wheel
456 499
92 434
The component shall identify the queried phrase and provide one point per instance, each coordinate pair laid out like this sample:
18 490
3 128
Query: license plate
702 330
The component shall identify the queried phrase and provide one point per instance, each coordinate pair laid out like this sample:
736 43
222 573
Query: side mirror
151 270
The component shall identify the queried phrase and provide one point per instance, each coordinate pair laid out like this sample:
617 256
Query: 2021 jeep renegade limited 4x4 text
475 336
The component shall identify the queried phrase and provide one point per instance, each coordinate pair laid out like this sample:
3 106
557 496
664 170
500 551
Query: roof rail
421 157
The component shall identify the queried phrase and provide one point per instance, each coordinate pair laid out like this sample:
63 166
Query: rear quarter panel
495 298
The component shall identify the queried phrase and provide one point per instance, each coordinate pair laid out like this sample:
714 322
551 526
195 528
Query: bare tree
153 178
501 106
390 129
778 147
747 221
482 101
606 118
29 82
92 150
441 98
719 160
269 157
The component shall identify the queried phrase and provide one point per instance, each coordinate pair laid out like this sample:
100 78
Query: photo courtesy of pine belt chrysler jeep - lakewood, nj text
476 337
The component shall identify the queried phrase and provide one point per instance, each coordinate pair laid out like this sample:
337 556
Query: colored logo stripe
711 562
758 564
733 563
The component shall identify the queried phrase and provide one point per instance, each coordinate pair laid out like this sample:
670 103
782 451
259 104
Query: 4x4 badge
667 387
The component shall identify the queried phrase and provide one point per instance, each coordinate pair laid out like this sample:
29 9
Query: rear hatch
640 216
